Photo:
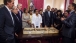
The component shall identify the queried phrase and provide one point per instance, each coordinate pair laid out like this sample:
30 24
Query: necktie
12 17
17 18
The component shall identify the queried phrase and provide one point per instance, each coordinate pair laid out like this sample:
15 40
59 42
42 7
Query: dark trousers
7 41
17 40
68 40
2 42
10 41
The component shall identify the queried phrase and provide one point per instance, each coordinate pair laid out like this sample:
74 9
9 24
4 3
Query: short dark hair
74 5
24 10
67 11
40 10
5 1
30 11
35 10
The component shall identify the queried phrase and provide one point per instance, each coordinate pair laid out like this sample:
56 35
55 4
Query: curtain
38 4
67 2
24 3
71 1
65 5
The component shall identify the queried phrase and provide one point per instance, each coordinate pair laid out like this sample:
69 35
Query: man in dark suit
7 23
17 20
68 29
54 16
19 6
48 20
17 23
48 17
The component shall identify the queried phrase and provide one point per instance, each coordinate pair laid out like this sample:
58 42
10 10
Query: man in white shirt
36 19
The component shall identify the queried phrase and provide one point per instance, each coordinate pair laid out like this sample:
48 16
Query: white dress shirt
36 20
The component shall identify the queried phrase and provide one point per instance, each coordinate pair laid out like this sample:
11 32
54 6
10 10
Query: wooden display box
40 30
53 30
29 32
35 31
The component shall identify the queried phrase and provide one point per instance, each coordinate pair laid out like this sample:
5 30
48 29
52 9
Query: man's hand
16 35
46 27
51 25
62 19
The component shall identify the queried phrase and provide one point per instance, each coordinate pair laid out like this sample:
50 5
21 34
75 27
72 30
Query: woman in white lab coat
36 19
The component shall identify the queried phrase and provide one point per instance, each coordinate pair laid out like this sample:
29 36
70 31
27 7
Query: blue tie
49 13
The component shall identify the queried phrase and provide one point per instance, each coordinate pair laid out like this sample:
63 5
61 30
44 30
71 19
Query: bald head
19 6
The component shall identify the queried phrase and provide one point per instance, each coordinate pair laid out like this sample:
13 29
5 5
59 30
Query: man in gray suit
7 23
68 29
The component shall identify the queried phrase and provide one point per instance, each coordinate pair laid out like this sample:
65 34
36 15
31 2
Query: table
38 33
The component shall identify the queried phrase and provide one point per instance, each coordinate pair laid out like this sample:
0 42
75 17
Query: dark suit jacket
68 29
17 24
48 20
20 18
6 25
53 18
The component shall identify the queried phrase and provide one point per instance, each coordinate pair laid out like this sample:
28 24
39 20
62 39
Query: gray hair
19 4
14 7
2 5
